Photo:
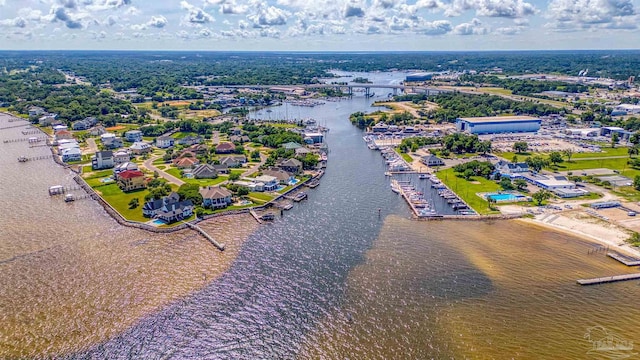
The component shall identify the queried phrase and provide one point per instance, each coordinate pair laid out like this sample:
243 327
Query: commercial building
498 124
416 77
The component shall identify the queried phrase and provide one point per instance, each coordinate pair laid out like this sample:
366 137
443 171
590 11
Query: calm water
332 279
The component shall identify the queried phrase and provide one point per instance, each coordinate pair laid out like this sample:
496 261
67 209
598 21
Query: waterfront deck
629 261
608 279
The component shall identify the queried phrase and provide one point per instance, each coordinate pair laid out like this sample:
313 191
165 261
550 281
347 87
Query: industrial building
416 77
498 124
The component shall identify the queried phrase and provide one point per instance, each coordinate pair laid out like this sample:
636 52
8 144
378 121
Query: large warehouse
498 124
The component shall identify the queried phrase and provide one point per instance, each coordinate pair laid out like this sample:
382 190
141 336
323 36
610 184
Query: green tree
540 196
234 176
568 153
636 182
555 158
615 138
491 202
634 150
521 184
134 203
514 159
520 147
537 162
255 155
505 183
190 192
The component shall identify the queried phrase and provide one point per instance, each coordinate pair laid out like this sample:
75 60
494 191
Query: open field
201 114
467 190
112 194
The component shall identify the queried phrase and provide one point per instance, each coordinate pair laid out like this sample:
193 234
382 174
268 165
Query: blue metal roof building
498 124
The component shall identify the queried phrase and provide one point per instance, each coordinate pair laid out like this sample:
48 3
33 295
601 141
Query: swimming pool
158 222
504 197
293 181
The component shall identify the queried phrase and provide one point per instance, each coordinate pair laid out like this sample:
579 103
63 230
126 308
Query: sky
319 25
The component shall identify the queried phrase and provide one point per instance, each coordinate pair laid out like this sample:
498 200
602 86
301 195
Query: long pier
37 139
32 158
15 126
206 236
608 279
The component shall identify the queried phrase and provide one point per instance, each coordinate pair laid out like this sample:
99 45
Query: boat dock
608 279
629 261
59 189
206 236
15 126
32 158
31 140
255 216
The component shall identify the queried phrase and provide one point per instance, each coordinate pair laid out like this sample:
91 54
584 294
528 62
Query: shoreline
610 244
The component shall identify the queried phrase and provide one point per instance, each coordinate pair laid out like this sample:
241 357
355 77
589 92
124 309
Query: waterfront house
71 154
225 148
432 161
120 157
130 180
215 197
169 208
124 167
313 138
302 151
63 134
47 119
164 142
133 136
270 182
282 176
205 171
35 111
291 165
110 141
102 160
140 147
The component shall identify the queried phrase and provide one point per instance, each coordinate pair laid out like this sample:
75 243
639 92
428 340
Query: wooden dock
624 259
206 236
255 216
608 279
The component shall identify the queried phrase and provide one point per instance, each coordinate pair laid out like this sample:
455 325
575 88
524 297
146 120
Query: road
93 147
255 167
148 164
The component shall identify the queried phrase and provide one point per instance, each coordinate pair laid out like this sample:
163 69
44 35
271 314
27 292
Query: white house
133 135
71 154
215 197
270 182
140 148
111 141
164 142
120 157
102 160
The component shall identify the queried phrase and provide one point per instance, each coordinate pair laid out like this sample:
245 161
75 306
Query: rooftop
498 119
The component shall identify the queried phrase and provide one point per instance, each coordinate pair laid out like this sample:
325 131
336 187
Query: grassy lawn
202 182
87 169
619 151
158 162
181 135
263 197
98 174
467 190
286 188
627 192
279 125
120 201
406 157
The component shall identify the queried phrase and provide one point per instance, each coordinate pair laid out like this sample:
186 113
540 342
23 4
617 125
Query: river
333 278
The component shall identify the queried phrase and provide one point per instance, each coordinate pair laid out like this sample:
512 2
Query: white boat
69 198
423 176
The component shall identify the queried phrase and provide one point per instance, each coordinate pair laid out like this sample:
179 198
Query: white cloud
268 16
438 27
591 14
156 22
474 27
196 14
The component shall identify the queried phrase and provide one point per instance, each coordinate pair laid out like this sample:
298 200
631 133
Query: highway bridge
348 87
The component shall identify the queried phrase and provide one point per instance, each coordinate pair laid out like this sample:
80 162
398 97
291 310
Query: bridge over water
348 87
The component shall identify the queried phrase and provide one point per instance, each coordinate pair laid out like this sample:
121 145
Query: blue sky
319 25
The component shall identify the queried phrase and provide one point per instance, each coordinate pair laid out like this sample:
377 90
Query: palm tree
568 153
633 151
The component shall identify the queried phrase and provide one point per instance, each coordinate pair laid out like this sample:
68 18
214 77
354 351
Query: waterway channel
334 278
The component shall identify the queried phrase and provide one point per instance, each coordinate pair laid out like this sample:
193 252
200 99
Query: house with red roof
130 180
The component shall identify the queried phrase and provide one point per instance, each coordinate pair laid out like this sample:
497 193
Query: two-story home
169 208
35 111
111 141
291 165
190 140
130 180
133 136
164 142
215 197
120 157
139 148
102 160
509 168
270 182
282 176
124 167
71 154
